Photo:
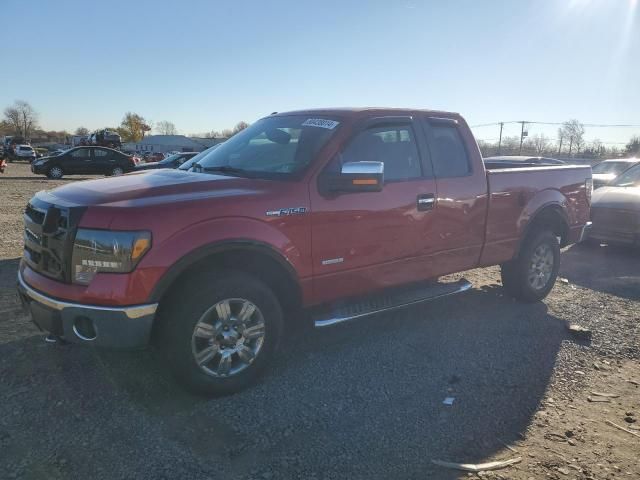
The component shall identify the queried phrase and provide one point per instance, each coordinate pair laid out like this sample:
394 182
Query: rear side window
100 153
393 146
448 154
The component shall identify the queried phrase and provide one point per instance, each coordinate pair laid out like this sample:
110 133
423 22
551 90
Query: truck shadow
348 401
607 269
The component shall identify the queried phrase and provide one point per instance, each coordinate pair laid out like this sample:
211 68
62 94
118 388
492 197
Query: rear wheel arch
255 258
550 217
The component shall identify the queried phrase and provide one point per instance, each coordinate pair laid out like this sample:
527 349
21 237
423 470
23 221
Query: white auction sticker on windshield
320 122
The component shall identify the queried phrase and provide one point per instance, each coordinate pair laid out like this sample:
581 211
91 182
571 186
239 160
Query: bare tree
81 131
240 126
573 131
633 147
166 128
22 118
540 143
510 145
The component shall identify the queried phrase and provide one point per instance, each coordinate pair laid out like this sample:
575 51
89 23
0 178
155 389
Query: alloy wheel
228 337
541 267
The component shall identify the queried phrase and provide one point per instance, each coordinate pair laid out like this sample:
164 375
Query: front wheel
116 171
531 276
220 331
55 172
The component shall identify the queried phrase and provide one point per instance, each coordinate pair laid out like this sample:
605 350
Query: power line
603 125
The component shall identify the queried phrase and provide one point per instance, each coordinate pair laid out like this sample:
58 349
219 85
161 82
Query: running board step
383 302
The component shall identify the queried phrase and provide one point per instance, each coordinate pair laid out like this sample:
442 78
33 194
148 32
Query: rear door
453 238
367 240
103 161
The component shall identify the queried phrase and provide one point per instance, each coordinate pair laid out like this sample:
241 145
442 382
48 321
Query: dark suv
84 161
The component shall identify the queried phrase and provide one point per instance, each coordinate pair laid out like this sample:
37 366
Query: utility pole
521 137
500 140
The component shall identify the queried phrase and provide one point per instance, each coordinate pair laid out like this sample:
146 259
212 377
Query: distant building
164 144
208 142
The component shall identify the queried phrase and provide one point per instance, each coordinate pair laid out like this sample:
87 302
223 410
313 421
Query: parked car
200 156
615 211
344 213
153 156
607 170
172 161
24 152
9 145
53 153
105 138
517 161
84 161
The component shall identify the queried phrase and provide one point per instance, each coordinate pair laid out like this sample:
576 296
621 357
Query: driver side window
394 146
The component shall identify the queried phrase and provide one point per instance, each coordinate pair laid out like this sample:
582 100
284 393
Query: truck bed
517 194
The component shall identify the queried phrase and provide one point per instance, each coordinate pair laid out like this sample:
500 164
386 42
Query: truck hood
154 187
622 198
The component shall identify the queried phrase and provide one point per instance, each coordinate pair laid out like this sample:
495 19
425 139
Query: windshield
611 167
630 178
274 147
189 163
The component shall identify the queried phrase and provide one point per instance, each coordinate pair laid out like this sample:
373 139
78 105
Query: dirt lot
363 400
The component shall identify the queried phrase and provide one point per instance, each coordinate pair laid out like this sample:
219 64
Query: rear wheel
115 171
531 276
55 172
220 332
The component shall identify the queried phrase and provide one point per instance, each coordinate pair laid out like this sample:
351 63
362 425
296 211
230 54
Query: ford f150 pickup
328 215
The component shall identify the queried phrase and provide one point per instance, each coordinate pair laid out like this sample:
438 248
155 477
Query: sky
205 64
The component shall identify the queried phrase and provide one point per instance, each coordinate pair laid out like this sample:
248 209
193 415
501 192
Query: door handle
426 202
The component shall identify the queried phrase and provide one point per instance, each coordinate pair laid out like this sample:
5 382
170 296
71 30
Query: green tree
133 127
81 131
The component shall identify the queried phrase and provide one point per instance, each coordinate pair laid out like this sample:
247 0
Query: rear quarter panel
517 195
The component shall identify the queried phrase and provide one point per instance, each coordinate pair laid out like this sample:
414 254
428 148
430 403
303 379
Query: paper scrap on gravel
479 467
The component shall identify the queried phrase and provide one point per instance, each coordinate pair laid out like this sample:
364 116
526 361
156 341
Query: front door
366 241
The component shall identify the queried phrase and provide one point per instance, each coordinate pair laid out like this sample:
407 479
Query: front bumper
111 327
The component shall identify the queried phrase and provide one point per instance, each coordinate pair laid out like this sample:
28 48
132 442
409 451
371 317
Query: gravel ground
362 400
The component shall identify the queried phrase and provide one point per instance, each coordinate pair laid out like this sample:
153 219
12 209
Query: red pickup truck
325 214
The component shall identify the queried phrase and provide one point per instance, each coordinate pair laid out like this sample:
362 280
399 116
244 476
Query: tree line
570 141
21 119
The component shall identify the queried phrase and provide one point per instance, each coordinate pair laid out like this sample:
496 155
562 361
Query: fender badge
287 211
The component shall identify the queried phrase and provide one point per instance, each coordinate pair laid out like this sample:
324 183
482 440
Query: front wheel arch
255 258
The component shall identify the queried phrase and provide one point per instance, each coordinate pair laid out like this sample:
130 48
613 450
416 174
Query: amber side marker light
363 181
140 247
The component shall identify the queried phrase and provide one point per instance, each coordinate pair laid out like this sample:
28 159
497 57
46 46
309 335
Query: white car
25 152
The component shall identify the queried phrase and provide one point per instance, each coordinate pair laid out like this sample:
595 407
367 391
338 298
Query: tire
116 171
55 172
531 276
229 361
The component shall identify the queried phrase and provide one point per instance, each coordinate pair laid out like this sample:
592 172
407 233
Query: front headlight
106 251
